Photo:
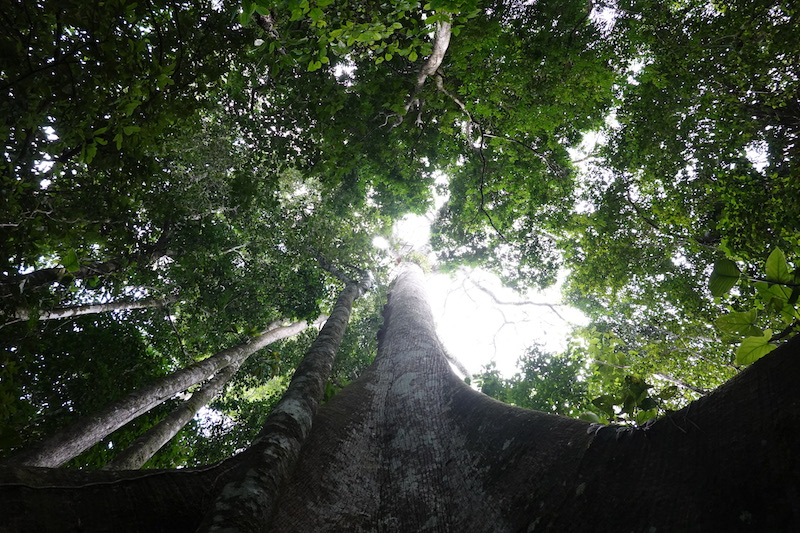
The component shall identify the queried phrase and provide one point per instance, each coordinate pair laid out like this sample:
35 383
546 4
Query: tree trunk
144 447
247 503
84 433
409 447
77 310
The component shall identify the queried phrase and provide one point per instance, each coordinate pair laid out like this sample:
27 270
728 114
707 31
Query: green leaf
647 404
315 14
70 261
590 417
412 56
754 348
130 107
605 403
775 296
739 323
777 268
723 277
669 392
89 152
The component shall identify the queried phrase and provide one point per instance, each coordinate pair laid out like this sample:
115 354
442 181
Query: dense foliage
223 157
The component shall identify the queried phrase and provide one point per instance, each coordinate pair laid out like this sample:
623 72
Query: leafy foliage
213 152
545 382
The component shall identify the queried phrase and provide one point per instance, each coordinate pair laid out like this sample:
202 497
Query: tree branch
66 312
440 44
497 301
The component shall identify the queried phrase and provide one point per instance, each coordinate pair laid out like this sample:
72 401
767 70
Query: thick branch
440 44
67 312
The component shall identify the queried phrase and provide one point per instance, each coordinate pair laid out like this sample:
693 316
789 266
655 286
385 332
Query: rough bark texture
414 448
408 447
144 447
79 436
247 503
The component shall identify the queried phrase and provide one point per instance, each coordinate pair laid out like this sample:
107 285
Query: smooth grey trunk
84 433
77 310
247 503
144 447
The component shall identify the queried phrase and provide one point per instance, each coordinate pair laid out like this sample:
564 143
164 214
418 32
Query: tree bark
77 310
144 447
409 447
247 503
79 436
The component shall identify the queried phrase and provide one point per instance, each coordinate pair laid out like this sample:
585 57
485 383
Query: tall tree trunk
144 447
247 503
77 310
79 436
409 447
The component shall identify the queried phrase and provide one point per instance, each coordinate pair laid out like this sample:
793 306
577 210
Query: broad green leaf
669 392
777 268
605 403
776 296
70 261
723 278
739 323
130 107
315 14
590 417
754 348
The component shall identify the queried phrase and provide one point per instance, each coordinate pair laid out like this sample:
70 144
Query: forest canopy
214 168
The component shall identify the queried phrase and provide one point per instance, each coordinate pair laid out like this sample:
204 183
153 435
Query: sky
474 328
478 320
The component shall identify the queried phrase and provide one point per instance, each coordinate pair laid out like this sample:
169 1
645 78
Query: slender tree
144 447
77 437
246 504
